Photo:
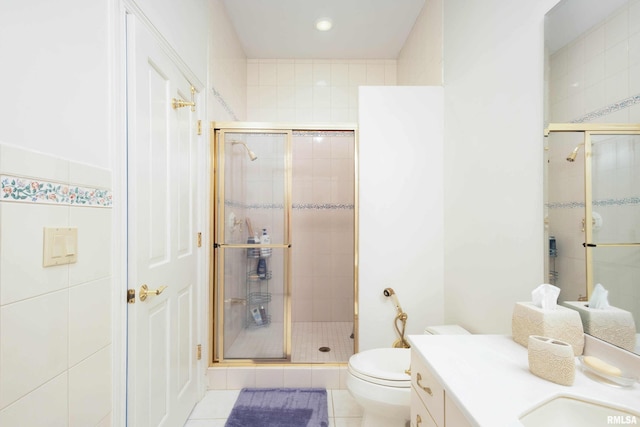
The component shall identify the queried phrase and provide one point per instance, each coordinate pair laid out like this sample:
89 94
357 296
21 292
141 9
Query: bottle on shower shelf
263 315
265 240
262 268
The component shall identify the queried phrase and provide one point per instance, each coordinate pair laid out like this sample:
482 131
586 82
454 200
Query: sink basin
563 411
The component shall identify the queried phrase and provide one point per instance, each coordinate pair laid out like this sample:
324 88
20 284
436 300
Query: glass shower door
252 244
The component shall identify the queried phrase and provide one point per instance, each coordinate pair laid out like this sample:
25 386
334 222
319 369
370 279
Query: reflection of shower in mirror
250 153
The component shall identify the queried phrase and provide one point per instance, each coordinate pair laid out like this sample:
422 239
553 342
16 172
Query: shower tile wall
596 78
323 227
311 90
55 322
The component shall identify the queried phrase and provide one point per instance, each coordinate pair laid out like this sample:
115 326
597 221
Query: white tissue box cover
613 324
561 323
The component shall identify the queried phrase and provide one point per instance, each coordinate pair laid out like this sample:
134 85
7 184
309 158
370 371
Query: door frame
118 80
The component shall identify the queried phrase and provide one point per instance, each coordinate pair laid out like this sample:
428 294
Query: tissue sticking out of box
599 298
614 325
545 296
542 316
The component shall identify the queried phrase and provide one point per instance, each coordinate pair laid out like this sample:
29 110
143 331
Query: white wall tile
327 377
616 28
217 378
17 161
357 74
303 73
269 376
89 176
616 58
45 406
240 377
339 74
268 73
634 17
253 73
286 72
90 389
594 41
322 73
634 49
94 244
297 376
33 343
21 229
89 319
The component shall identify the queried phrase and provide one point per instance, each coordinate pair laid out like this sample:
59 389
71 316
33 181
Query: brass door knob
145 291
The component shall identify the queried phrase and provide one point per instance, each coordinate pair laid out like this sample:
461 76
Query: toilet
378 382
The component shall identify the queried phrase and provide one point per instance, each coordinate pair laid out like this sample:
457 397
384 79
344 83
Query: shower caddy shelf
257 290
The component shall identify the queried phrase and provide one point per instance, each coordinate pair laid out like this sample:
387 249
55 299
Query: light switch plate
60 246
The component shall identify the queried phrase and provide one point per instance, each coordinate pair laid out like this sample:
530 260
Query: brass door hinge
199 239
199 127
131 296
199 352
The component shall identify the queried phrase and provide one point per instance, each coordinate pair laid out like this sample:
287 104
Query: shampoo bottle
265 240
263 314
262 268
256 316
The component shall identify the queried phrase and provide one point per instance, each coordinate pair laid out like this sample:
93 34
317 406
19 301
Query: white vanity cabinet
430 405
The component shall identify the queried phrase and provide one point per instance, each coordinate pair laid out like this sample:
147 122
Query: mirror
591 76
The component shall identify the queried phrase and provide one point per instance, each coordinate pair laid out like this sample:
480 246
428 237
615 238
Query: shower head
251 154
389 292
572 157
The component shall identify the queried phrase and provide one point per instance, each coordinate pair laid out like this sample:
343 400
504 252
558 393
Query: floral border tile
27 190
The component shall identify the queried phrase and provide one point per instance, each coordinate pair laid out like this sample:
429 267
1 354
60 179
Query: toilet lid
383 366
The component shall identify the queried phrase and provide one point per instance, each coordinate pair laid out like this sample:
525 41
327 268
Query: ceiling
362 29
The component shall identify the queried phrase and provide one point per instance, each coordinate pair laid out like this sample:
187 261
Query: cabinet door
420 417
453 416
428 388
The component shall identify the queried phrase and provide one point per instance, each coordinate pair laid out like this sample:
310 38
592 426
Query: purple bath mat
280 407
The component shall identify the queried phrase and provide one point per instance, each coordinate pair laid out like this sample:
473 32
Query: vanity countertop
488 377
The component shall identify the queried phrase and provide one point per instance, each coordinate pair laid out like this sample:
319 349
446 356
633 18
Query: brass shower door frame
589 129
216 329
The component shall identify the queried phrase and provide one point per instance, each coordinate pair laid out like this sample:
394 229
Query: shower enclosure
284 225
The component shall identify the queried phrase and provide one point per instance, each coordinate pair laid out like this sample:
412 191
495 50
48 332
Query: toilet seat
383 366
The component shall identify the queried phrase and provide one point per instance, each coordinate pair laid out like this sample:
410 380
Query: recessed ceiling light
324 24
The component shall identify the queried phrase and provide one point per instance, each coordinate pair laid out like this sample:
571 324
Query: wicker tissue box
560 323
613 324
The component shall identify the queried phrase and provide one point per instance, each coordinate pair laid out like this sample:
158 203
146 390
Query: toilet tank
446 330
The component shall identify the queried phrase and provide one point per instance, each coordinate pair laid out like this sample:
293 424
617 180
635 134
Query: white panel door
162 385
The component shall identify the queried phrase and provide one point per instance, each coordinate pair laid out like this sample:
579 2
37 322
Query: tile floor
306 338
215 407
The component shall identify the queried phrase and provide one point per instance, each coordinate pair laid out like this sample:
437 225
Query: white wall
184 24
63 78
55 78
227 87
55 322
493 204
420 60
401 216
